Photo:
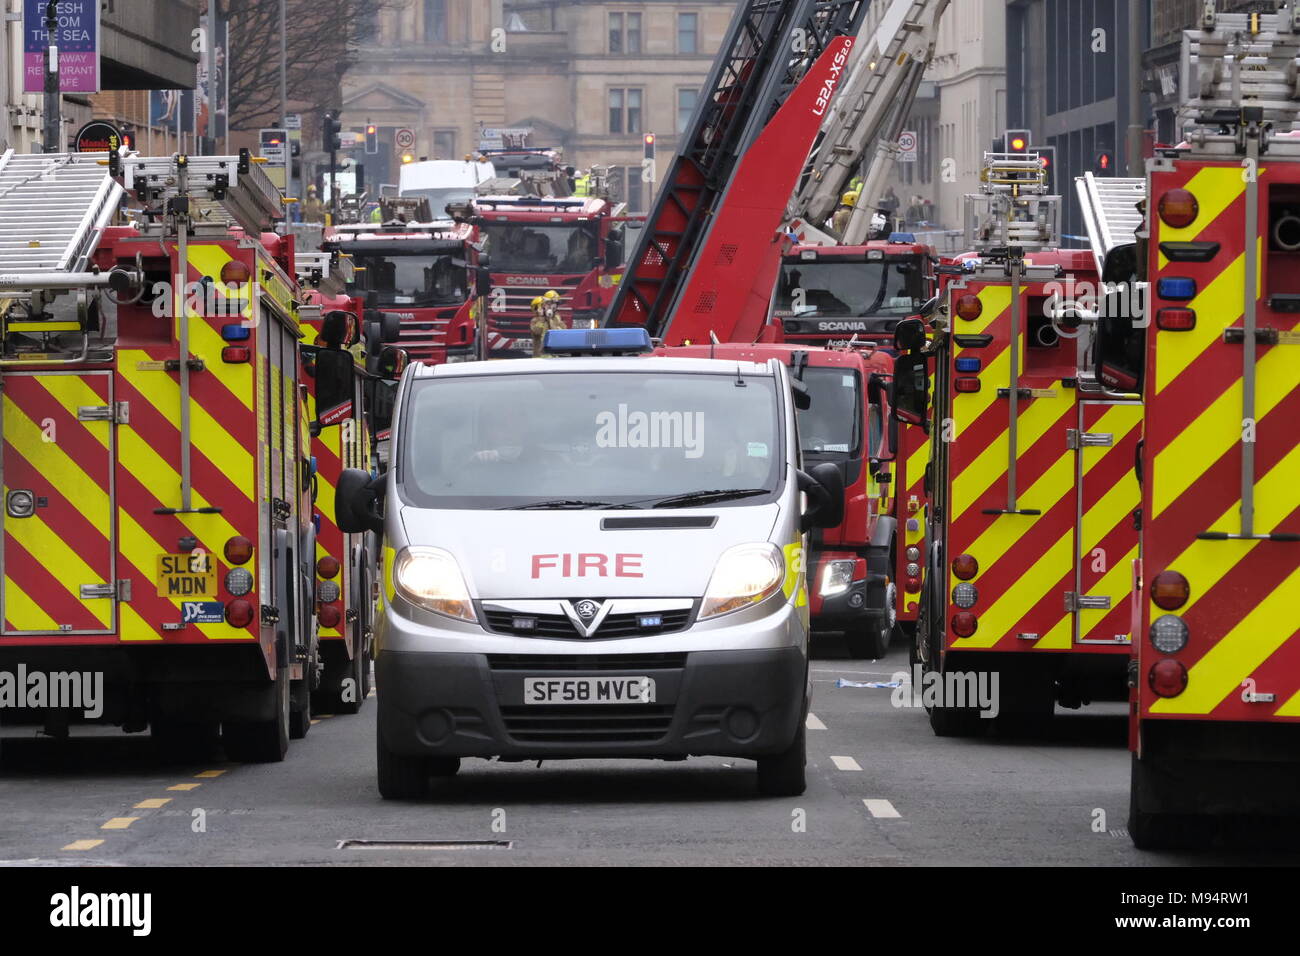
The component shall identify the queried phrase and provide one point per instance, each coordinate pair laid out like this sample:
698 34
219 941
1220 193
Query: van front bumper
727 702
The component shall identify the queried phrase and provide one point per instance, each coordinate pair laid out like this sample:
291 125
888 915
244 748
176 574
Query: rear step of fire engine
52 208
1110 212
751 78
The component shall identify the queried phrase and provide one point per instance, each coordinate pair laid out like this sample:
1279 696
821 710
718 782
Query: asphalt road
882 791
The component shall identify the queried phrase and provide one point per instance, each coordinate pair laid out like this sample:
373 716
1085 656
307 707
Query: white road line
881 809
845 763
814 722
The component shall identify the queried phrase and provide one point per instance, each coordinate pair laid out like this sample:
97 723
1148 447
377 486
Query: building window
627 185
435 21
686 100
444 144
688 33
625 33
625 111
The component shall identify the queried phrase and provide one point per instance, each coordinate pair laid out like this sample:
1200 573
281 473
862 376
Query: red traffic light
1104 161
1017 144
649 139
372 130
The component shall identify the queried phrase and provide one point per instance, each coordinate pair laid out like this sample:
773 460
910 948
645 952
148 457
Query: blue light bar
1176 288
968 365
234 333
596 342
902 237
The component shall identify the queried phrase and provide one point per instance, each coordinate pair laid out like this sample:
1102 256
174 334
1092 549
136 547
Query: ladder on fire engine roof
1110 212
872 107
53 207
1012 213
769 48
234 184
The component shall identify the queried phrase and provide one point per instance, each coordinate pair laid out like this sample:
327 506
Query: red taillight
965 567
1176 320
238 550
912 585
1168 678
969 307
329 615
964 624
1170 590
1178 208
234 354
239 613
967 384
235 272
327 567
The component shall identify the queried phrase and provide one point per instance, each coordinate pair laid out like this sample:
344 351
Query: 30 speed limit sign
907 146
405 138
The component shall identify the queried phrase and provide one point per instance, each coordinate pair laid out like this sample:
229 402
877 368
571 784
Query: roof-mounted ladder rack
235 183
1110 212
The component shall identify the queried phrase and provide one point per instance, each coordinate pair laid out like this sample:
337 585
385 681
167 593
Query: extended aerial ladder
873 107
707 259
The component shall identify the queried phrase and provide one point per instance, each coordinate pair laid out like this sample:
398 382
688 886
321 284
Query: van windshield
634 439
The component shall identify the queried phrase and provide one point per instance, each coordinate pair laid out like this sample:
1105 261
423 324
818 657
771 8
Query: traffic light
649 145
128 139
1104 164
332 133
372 139
1017 141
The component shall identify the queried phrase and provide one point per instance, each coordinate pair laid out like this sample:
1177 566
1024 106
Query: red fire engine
419 269
1215 711
156 460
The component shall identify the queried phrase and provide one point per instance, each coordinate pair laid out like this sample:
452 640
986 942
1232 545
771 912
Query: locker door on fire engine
1106 535
57 548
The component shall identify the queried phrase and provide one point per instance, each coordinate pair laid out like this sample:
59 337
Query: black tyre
444 766
955 722
869 640
401 777
300 711
261 741
784 774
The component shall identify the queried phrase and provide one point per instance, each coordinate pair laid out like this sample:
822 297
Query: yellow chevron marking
967 407
1204 563
1117 580
1257 635
217 444
24 613
1006 530
1217 306
916 465
389 557
1291 708
989 465
995 298
63 563
1218 428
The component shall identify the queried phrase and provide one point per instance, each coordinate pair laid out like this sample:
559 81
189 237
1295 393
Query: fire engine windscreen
848 287
632 439
830 424
412 280
546 248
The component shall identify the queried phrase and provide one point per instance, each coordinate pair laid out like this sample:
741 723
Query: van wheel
783 774
400 777
261 741
869 640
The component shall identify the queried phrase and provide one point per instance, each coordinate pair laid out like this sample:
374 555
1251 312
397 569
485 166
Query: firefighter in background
840 221
546 316
313 210
582 183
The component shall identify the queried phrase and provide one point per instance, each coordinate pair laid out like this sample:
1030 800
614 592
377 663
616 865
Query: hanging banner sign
77 39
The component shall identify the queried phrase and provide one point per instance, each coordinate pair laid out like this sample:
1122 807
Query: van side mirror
357 502
335 371
379 407
482 280
392 362
909 395
614 253
824 486
802 397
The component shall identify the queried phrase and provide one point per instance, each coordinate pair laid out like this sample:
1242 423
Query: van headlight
430 578
744 576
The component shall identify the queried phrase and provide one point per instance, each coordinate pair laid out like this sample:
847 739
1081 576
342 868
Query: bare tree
323 39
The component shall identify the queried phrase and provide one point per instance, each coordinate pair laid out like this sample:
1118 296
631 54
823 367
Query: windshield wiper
558 503
703 497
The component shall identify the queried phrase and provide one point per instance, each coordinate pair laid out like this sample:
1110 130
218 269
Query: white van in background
444 181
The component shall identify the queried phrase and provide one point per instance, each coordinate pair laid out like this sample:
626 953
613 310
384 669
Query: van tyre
261 741
784 774
400 776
